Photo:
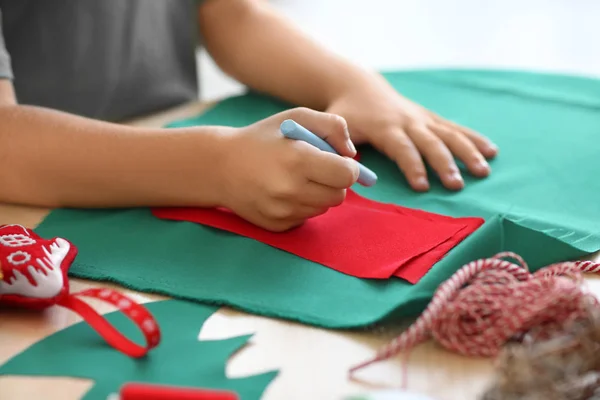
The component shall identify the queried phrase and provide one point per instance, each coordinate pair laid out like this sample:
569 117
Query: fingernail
492 147
422 183
350 146
482 166
456 177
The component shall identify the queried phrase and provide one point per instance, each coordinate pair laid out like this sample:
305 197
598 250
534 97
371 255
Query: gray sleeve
5 67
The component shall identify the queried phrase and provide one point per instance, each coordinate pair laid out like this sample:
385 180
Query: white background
545 35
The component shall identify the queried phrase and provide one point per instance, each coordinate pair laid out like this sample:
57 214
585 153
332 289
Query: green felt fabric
541 202
180 359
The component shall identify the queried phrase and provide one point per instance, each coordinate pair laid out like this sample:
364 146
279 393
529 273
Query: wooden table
313 362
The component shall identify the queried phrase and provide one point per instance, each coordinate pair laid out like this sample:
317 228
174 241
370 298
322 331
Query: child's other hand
411 135
278 183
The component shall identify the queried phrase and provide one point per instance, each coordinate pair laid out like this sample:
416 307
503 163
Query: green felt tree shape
180 359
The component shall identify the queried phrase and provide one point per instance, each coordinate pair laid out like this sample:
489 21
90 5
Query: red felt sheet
361 237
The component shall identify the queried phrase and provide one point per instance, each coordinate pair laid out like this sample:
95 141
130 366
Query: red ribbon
136 312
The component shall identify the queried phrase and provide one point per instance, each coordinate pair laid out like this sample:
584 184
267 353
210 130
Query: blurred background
543 35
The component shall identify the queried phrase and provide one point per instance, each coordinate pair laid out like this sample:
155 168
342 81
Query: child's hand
278 183
409 134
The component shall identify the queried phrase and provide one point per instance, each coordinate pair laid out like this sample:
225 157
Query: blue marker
292 130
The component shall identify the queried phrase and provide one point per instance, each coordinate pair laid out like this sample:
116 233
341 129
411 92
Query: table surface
313 362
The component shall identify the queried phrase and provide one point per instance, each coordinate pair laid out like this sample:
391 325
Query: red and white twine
491 301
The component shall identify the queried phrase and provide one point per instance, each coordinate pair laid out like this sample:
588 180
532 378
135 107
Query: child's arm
260 48
257 46
50 158
54 159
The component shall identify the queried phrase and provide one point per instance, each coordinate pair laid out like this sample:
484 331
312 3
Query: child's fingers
283 215
398 147
330 169
330 127
321 196
437 155
463 148
483 144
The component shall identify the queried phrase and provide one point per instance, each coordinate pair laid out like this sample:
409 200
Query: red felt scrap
361 237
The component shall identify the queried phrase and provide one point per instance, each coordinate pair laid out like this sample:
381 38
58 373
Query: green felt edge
482 78
85 272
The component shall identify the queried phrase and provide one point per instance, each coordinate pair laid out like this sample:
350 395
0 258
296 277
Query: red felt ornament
361 237
34 275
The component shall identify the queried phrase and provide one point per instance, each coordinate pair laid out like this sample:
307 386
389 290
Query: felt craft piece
361 237
541 202
34 270
34 276
181 360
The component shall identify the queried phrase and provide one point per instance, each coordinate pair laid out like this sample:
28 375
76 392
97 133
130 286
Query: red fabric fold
361 237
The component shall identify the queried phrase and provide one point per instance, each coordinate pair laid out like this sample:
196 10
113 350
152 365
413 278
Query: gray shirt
105 59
